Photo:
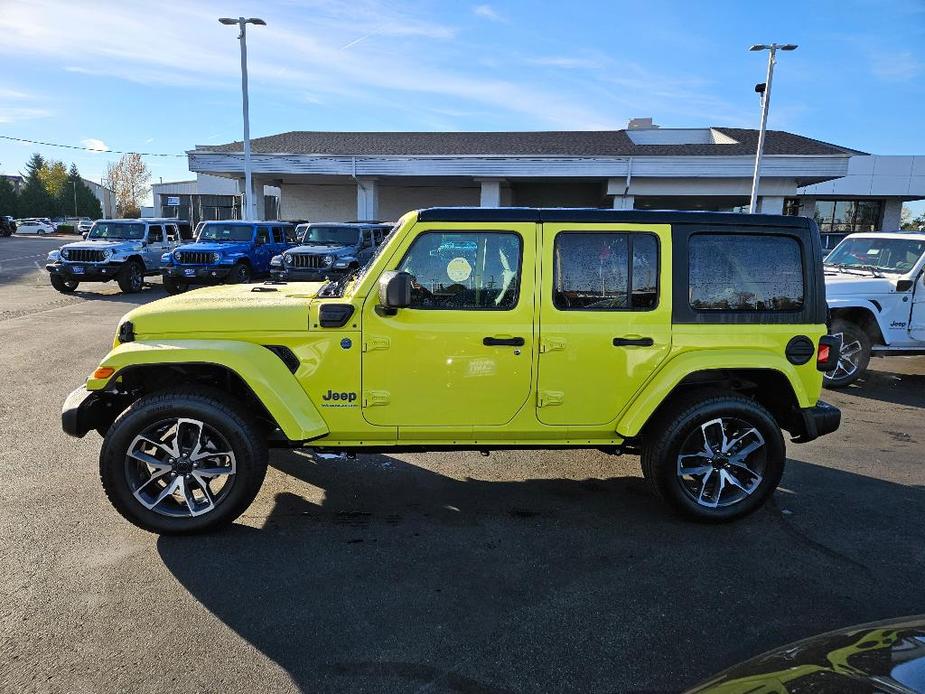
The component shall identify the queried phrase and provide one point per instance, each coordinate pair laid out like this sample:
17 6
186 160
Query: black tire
62 285
240 274
132 277
215 411
175 286
853 357
664 438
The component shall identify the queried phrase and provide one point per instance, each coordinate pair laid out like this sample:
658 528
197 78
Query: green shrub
67 229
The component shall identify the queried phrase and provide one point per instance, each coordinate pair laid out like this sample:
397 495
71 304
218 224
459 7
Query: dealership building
337 176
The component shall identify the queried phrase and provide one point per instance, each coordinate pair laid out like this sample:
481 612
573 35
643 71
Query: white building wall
394 201
319 203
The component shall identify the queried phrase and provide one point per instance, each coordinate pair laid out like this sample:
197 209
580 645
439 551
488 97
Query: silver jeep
125 250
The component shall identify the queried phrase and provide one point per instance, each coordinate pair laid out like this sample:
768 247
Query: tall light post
249 211
772 49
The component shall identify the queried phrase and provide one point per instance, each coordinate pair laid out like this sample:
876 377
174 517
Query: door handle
503 341
633 342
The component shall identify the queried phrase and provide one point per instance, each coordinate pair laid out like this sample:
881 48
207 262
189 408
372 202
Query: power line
87 149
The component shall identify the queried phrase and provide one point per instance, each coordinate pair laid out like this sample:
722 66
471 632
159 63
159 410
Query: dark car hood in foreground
879 657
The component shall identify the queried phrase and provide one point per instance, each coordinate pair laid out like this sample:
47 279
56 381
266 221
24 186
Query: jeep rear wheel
62 285
853 355
715 458
132 278
240 274
182 461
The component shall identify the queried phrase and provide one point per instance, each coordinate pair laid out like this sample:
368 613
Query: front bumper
85 410
200 274
85 272
817 421
306 274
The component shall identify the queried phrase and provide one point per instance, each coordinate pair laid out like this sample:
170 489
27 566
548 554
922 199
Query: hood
97 245
326 249
883 657
852 283
211 246
226 308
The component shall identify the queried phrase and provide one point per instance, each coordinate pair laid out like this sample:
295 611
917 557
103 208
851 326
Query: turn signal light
104 372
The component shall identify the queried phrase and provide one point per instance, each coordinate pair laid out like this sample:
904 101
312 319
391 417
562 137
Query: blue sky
164 77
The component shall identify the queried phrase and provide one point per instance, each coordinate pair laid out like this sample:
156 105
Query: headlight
216 257
276 260
53 256
288 259
65 253
107 252
328 259
176 256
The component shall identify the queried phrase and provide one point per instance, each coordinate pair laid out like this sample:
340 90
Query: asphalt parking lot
522 571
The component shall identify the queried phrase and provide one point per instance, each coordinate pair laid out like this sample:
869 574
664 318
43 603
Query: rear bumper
85 410
207 274
817 421
90 272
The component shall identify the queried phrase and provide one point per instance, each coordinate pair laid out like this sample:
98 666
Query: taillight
823 355
827 353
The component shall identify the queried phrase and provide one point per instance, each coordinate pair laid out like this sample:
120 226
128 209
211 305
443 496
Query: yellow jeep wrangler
690 338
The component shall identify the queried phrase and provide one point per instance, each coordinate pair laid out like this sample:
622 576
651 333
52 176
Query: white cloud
487 12
14 114
566 62
94 144
896 66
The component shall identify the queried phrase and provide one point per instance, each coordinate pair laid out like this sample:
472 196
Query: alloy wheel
722 462
180 467
849 357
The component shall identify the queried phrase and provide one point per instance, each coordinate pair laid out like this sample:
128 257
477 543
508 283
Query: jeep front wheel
714 458
853 355
62 285
132 278
240 274
182 461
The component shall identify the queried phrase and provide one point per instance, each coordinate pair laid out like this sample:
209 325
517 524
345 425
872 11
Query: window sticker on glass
458 269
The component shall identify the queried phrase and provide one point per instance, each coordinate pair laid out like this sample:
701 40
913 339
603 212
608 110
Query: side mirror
84 234
395 290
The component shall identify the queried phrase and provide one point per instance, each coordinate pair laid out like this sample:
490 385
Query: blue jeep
231 251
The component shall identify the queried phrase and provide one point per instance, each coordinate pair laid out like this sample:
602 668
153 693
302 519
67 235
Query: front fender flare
267 376
653 393
864 305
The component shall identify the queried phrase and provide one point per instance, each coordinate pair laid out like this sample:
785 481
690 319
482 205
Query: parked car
480 329
84 225
7 225
875 288
125 250
328 251
887 657
34 226
233 251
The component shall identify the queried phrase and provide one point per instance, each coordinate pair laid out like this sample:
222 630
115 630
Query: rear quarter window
745 272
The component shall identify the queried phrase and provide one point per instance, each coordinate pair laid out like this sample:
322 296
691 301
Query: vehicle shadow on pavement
887 386
404 579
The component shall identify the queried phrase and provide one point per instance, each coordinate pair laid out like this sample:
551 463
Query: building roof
574 143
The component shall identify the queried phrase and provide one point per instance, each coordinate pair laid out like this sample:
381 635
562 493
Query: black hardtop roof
592 214
245 222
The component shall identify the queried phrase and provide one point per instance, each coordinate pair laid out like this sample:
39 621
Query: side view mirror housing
395 290
84 234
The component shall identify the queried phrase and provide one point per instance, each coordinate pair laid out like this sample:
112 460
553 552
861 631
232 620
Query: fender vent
334 315
800 350
286 355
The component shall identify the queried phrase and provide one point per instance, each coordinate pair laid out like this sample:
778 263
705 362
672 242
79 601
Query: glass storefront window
848 216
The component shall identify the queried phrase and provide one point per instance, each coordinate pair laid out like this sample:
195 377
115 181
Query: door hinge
549 398
552 344
374 342
374 398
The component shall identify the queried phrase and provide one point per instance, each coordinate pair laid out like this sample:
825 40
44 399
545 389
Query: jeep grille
307 260
195 257
85 255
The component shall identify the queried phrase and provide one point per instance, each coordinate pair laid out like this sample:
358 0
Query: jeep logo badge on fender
331 395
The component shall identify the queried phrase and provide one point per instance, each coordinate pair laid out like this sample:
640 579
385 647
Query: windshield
887 254
343 236
216 231
126 231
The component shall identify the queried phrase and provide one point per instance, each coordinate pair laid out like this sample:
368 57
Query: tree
9 200
76 197
909 222
128 178
34 199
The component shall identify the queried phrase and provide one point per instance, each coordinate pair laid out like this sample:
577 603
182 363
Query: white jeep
875 288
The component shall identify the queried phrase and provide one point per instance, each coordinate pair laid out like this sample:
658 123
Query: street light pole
249 210
765 103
